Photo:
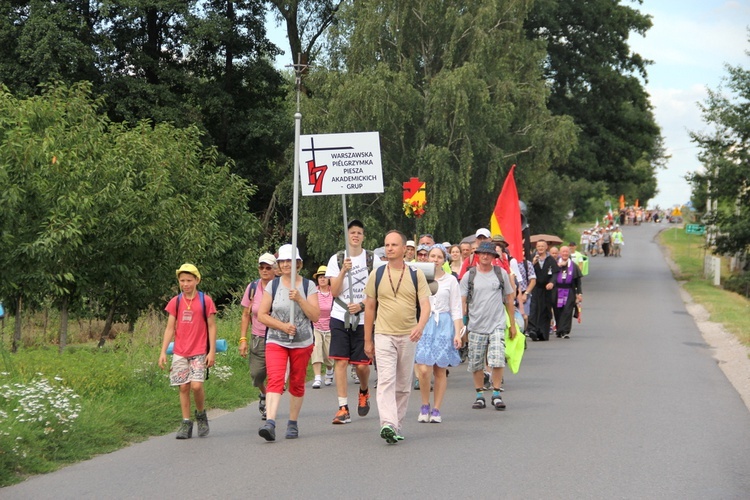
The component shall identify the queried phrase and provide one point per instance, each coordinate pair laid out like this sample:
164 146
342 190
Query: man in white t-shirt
348 277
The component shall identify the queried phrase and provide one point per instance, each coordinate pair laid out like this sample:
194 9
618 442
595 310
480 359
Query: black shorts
348 344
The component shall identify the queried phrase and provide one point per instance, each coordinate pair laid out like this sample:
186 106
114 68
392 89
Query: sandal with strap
497 402
479 403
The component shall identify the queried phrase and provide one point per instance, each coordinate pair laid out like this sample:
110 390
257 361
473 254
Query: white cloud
690 43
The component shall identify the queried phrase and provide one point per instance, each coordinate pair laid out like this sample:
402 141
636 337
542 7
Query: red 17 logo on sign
315 175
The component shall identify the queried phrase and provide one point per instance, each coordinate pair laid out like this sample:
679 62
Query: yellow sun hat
189 268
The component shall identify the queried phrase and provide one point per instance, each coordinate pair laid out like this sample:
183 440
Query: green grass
728 308
123 395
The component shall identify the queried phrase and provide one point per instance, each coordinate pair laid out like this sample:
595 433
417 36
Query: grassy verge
728 308
57 409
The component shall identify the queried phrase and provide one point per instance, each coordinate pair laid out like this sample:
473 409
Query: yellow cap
189 268
321 272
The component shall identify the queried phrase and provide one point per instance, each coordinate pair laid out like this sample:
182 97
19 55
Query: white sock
317 377
343 402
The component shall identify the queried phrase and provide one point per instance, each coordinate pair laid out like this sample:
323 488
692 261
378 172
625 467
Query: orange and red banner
415 197
506 218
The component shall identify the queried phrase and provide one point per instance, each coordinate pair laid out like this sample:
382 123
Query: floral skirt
436 345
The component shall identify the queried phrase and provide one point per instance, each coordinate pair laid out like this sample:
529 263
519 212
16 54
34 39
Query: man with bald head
540 313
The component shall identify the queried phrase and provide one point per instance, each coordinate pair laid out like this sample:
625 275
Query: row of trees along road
725 154
459 91
94 213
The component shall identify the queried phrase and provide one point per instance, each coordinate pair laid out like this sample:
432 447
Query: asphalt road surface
632 406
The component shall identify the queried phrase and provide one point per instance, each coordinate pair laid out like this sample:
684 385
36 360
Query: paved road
633 406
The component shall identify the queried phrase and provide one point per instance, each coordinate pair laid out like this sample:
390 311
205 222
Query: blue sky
690 43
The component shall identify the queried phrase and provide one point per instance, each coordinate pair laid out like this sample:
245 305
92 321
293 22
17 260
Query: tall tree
306 22
596 79
144 61
102 212
455 91
725 154
43 41
240 94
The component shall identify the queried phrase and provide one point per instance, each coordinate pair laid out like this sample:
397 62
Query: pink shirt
325 301
191 330
257 328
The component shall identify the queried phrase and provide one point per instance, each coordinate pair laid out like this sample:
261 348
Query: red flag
506 218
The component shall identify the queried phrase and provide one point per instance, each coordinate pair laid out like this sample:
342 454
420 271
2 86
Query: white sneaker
329 377
424 414
316 383
354 376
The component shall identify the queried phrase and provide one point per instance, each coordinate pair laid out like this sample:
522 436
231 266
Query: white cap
285 252
267 258
410 243
483 232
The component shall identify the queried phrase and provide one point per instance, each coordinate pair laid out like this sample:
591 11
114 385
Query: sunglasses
265 267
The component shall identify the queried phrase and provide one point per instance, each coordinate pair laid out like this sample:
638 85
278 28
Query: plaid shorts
489 347
185 370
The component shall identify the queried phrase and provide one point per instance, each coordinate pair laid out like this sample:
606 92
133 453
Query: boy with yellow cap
192 324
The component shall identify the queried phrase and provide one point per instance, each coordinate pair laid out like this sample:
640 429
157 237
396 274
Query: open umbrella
549 238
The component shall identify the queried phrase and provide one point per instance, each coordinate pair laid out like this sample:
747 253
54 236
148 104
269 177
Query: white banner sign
341 164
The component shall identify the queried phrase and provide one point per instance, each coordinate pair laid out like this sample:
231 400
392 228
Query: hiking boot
388 433
363 405
186 430
262 408
479 403
268 432
202 419
497 402
435 417
342 416
424 414
292 431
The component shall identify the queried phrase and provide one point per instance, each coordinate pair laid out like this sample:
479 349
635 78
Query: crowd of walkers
369 312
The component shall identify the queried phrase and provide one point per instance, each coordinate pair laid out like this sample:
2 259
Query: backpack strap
416 290
275 285
253 288
413 272
470 284
369 259
472 274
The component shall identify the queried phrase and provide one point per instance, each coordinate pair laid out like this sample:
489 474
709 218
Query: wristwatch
362 305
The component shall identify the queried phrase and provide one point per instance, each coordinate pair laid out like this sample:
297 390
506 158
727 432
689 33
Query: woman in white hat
288 340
